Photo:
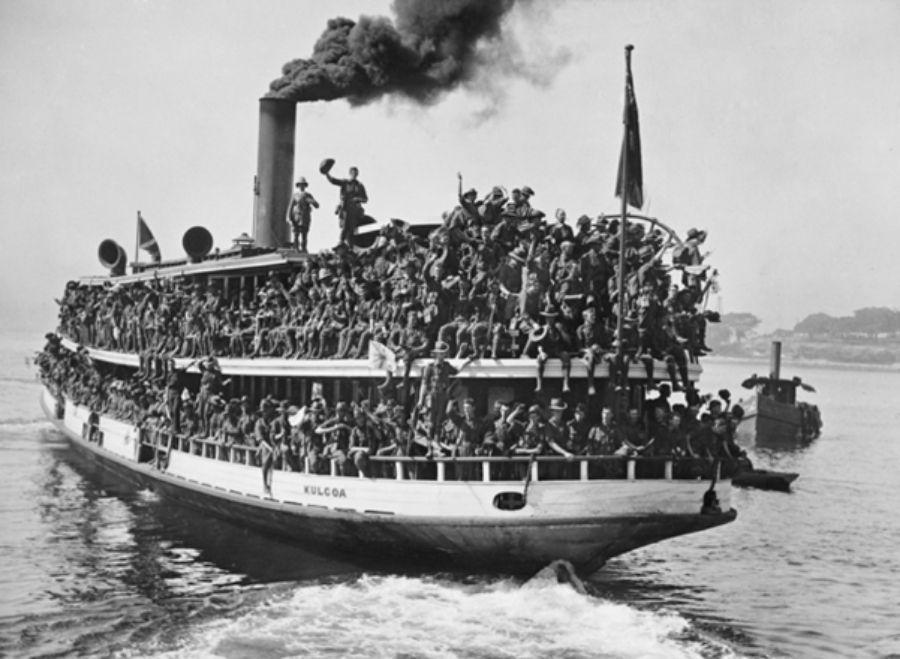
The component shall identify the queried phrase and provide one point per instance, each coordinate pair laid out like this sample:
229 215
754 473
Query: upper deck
479 369
233 263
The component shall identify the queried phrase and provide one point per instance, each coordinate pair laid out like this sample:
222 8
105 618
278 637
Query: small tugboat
773 417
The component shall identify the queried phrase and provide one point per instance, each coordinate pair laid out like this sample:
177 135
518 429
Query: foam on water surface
378 616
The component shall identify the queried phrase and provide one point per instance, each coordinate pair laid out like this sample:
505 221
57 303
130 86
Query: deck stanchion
583 470
486 471
398 467
441 471
306 464
534 470
333 469
630 470
668 474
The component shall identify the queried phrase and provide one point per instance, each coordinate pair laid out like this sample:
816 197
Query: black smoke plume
430 48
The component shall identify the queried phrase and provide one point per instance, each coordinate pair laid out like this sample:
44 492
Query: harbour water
93 568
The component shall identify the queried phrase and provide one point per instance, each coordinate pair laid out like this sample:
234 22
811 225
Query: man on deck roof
353 196
299 214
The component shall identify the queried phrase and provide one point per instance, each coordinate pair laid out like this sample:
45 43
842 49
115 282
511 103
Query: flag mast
137 236
621 373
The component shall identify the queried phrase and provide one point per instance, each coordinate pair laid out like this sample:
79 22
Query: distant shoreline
810 363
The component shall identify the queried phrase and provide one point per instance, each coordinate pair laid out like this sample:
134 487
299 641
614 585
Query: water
93 568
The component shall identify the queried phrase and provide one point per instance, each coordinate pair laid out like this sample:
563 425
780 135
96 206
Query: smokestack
274 171
775 361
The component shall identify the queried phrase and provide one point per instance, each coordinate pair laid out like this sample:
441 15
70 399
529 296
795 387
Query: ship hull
518 544
770 424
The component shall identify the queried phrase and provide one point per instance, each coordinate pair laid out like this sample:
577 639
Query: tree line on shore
870 336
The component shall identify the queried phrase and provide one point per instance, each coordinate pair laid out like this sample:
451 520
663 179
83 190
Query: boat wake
23 423
376 616
558 571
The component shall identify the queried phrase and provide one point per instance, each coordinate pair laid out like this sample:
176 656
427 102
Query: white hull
584 521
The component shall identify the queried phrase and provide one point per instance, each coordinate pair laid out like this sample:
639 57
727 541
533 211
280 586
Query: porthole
509 501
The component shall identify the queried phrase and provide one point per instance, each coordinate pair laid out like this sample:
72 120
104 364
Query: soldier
338 429
190 422
211 384
435 387
247 420
408 343
230 430
493 204
508 424
603 439
353 196
635 438
689 257
262 438
468 432
539 435
173 394
299 214
560 231
363 439
312 445
531 439
506 232
660 437
522 207
216 416
468 210
281 437
549 340
557 437
577 429
453 332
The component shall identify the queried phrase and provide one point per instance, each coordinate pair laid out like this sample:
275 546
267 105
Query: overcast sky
773 125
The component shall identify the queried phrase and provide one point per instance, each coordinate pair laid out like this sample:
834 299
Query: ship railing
449 469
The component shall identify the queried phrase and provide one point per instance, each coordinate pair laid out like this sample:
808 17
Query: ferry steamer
508 514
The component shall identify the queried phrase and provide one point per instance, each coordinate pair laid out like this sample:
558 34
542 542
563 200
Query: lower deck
585 520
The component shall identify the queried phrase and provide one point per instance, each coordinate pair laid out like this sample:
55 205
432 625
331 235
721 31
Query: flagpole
137 237
623 173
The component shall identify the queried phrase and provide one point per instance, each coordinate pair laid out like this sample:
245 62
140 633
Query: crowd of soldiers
495 279
280 435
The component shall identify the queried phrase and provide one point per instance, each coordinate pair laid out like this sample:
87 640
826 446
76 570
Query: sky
774 125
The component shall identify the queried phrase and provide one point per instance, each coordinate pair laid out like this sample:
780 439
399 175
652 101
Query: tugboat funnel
775 361
112 256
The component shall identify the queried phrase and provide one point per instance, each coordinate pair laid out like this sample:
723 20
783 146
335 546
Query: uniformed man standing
300 213
262 438
353 196
435 387
174 386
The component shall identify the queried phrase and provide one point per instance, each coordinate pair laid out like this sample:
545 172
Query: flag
631 145
381 357
146 240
